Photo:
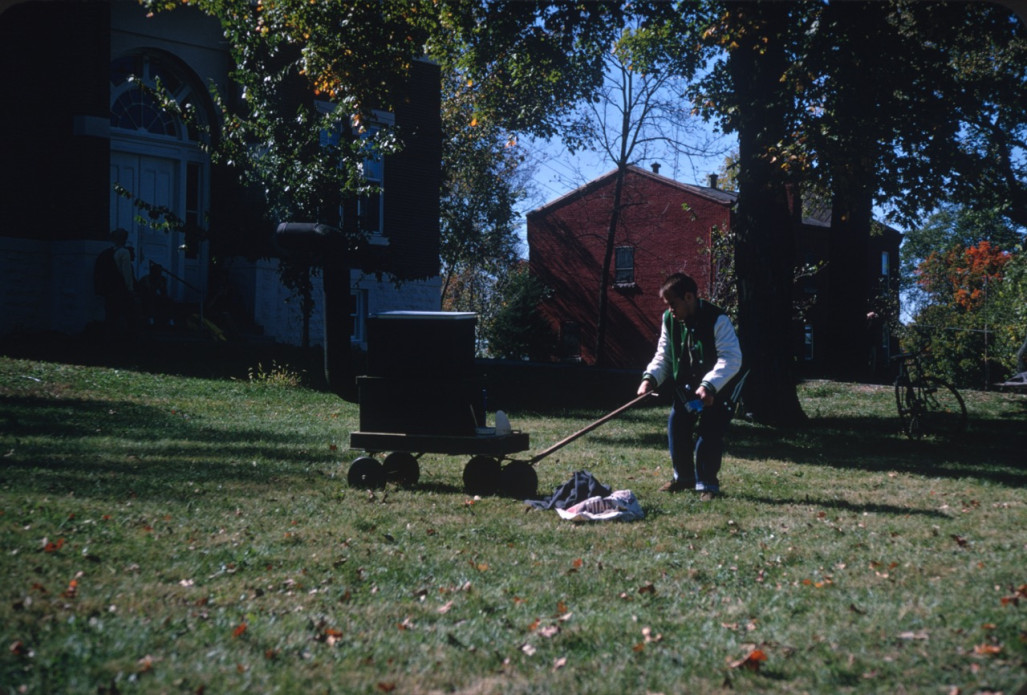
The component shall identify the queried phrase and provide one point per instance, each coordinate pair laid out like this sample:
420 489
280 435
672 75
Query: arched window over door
157 161
134 104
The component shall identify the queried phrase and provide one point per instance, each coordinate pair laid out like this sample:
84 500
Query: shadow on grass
105 449
842 505
179 356
991 449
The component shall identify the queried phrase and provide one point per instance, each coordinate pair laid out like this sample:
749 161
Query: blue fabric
579 488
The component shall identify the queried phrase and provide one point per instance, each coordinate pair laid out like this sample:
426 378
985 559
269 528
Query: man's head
681 295
119 236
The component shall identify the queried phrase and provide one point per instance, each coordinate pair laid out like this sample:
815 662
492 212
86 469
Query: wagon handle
585 430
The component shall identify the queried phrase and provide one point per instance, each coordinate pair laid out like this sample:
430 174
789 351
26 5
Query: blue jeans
697 464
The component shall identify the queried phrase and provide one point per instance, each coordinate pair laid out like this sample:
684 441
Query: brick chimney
713 180
656 167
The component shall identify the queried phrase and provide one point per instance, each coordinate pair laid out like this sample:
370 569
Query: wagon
484 473
420 395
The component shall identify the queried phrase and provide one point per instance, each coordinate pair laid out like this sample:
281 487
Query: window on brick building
624 265
570 340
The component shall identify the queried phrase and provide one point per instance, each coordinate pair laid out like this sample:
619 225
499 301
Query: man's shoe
708 496
675 486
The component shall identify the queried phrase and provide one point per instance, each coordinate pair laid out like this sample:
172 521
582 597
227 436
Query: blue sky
555 172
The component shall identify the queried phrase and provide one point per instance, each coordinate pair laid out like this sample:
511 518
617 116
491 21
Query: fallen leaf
751 662
386 687
239 630
528 649
647 588
560 663
960 541
444 608
549 630
988 649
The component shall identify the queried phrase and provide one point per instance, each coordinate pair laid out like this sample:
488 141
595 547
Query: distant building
76 128
667 226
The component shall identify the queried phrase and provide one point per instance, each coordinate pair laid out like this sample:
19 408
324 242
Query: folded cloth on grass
620 505
579 488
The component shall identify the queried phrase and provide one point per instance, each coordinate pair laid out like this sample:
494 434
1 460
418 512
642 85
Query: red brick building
666 226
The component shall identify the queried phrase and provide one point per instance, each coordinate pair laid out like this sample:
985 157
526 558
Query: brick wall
567 241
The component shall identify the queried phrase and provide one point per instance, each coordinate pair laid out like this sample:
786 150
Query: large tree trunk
338 317
848 272
325 246
852 160
764 235
604 278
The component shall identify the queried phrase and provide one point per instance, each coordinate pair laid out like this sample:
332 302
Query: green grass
172 534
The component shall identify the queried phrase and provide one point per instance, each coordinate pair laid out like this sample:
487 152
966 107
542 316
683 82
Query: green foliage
279 375
481 184
517 330
963 280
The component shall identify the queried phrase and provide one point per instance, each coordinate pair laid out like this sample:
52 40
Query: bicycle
927 405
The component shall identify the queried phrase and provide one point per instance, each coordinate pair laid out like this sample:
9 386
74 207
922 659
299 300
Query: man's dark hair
678 284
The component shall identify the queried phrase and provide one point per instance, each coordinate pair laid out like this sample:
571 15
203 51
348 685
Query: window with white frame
624 265
370 207
358 312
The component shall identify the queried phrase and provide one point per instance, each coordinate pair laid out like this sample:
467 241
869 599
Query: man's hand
704 396
645 387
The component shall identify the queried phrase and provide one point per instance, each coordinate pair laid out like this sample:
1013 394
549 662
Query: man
114 280
698 352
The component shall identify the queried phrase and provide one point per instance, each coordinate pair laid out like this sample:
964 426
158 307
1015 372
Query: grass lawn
179 534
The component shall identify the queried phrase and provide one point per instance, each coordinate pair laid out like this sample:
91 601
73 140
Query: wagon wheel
481 475
365 472
401 468
518 480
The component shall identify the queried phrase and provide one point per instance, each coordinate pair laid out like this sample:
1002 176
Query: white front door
154 181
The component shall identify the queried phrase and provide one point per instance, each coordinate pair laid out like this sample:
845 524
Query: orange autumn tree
961 313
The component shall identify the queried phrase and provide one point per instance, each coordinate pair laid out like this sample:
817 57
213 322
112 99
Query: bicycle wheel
944 411
908 406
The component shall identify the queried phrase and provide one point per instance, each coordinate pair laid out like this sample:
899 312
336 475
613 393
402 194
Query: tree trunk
764 235
848 272
604 279
338 318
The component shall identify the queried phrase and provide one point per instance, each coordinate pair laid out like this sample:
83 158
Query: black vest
693 350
